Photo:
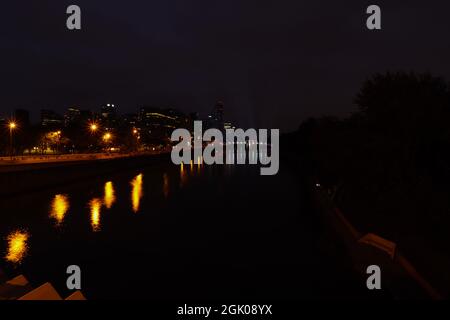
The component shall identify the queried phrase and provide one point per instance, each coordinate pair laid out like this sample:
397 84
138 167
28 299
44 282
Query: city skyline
269 63
37 116
105 129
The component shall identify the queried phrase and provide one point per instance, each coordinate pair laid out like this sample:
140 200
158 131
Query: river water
176 232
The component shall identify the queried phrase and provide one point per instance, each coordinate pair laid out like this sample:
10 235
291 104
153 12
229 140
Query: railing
356 238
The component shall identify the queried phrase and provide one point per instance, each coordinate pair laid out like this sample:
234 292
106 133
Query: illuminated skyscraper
50 118
216 118
72 116
109 115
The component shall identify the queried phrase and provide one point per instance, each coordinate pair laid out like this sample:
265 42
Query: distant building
228 125
156 117
72 116
160 123
50 118
108 111
216 118
87 116
130 120
109 115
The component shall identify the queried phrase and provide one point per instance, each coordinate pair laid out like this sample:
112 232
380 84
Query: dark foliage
388 165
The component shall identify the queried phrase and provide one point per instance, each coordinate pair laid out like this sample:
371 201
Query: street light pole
12 126
58 142
107 137
137 137
93 128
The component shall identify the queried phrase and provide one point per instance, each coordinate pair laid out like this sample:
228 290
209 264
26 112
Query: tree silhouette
407 115
388 165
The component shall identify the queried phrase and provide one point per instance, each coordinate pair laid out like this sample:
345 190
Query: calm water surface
171 232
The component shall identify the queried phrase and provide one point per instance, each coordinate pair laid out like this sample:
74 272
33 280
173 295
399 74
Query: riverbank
20 163
24 176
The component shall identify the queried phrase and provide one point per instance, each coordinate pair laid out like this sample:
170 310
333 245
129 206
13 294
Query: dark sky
274 63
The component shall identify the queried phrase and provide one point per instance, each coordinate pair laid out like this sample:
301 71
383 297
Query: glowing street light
12 126
93 127
107 137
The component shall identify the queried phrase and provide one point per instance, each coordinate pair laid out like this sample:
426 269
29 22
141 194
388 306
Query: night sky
273 63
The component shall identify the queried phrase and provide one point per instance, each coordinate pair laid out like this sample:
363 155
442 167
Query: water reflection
59 207
253 156
166 185
136 192
95 206
199 162
263 156
240 156
109 197
229 154
17 246
183 175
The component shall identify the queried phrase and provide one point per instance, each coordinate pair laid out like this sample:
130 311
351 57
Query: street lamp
107 137
138 137
12 126
58 141
93 127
